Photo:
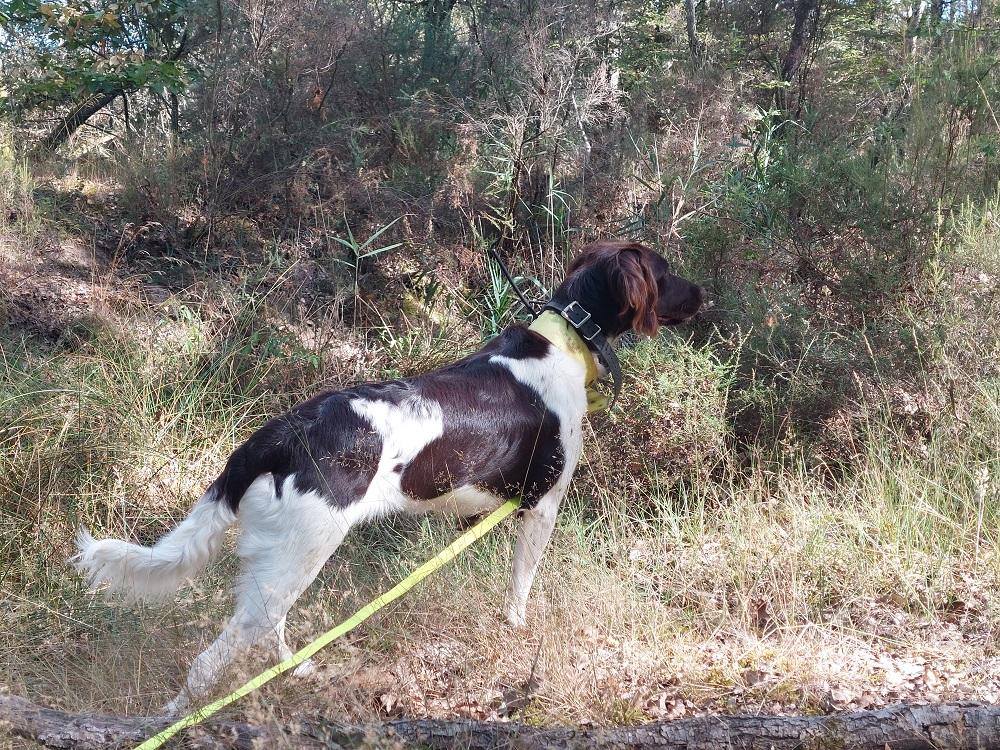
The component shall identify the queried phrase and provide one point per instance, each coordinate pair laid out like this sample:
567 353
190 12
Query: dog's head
625 285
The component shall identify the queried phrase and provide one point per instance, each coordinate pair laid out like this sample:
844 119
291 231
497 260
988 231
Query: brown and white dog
501 423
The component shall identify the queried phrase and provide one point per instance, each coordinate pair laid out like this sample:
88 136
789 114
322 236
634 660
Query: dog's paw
305 669
176 707
515 618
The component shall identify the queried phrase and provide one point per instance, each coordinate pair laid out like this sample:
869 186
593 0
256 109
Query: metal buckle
576 324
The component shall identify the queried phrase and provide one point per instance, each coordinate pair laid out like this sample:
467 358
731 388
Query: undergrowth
696 565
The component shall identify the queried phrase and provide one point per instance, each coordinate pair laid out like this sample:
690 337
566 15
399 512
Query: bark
948 726
915 14
695 46
76 117
806 20
175 116
805 10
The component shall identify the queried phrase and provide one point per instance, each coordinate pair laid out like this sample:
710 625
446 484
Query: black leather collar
580 318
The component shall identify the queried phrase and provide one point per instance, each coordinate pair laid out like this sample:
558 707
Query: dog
504 422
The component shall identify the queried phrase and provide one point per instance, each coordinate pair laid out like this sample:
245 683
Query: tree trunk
915 14
437 21
175 119
951 726
936 22
695 46
76 117
806 17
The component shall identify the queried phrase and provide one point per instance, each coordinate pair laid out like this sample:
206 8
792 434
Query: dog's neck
592 289
563 336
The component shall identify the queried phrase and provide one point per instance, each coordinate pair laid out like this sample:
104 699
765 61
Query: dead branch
947 726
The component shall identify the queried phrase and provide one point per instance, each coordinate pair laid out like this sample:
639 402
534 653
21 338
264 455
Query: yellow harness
562 335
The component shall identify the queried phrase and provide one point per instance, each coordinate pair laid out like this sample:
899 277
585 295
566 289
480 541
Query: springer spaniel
503 422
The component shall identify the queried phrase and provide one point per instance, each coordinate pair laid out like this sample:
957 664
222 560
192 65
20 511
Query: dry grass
807 599
771 591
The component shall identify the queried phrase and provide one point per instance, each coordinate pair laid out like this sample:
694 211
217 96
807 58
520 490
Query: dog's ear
638 288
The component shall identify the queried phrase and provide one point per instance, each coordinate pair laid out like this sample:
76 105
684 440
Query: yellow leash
449 553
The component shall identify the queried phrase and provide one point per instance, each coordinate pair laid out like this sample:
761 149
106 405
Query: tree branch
76 117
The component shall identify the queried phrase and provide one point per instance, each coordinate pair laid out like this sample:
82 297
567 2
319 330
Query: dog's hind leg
283 545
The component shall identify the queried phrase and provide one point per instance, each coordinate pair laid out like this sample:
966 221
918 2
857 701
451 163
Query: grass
693 569
773 571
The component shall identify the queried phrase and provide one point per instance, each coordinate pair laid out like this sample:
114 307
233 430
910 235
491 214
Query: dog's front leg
533 535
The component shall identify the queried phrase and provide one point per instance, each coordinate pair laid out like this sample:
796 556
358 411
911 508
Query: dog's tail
138 572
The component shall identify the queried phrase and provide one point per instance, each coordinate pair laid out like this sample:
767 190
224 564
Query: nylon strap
561 334
431 566
578 317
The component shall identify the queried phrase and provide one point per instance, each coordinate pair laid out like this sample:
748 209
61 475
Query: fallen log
945 726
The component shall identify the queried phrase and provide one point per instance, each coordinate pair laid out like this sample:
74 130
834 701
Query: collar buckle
580 322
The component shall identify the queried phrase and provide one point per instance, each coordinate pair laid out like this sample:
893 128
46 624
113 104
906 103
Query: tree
950 725
84 54
805 23
695 46
437 35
